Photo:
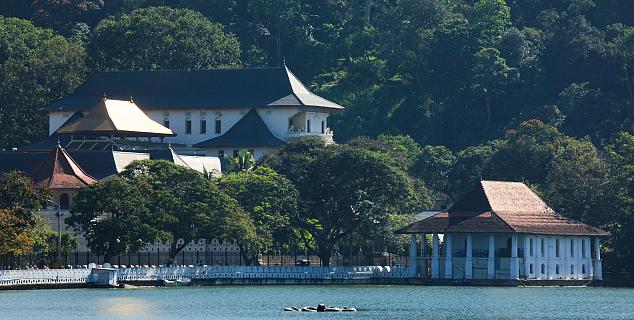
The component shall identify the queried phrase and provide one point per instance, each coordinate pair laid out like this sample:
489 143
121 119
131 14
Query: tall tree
158 38
114 217
270 200
337 201
36 67
184 204
622 50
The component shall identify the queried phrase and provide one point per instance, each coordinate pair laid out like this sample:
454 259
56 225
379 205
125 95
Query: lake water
267 302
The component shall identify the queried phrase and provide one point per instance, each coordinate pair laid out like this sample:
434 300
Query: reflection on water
267 302
122 307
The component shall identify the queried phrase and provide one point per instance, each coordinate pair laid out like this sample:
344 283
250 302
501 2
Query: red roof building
60 173
503 230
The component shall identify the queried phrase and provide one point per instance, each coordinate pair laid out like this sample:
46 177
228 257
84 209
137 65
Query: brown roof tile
60 171
500 206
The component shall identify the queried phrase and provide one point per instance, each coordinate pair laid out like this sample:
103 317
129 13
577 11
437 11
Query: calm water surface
375 302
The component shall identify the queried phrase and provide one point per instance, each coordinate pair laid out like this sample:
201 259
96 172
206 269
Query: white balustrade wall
44 276
263 272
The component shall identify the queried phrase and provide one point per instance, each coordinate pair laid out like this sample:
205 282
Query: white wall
579 256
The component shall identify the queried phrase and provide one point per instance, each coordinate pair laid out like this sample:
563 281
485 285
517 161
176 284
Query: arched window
530 268
583 269
543 269
64 201
557 269
572 269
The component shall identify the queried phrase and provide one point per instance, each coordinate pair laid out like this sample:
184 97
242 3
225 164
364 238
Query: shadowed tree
161 38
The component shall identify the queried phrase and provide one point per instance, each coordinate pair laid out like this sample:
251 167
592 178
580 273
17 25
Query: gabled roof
501 206
116 117
196 89
249 131
60 171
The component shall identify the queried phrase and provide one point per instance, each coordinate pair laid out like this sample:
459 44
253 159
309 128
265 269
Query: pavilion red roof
60 171
502 207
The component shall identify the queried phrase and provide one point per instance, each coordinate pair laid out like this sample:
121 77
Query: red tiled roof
500 206
60 171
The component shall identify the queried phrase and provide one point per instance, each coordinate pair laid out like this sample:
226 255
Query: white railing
327 137
43 276
246 272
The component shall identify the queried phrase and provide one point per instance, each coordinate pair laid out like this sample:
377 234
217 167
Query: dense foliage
455 90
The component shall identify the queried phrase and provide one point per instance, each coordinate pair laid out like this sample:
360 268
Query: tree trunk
174 251
324 255
487 106
629 83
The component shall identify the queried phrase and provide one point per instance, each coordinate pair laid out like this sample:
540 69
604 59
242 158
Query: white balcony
297 133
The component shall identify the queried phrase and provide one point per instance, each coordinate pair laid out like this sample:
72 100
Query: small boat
292 309
169 283
321 308
183 282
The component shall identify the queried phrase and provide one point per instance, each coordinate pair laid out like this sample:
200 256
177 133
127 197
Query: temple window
218 126
188 126
64 201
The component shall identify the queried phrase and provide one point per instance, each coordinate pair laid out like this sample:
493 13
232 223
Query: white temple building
503 231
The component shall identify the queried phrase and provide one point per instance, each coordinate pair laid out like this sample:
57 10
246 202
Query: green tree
579 185
271 200
36 67
114 217
161 38
433 166
184 204
19 203
622 50
45 238
527 153
491 76
490 18
620 253
343 190
243 161
468 168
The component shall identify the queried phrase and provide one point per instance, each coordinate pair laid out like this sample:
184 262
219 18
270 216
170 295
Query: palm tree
244 161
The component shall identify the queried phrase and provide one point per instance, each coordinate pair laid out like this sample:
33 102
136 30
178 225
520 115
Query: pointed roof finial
103 98
284 62
131 99
59 144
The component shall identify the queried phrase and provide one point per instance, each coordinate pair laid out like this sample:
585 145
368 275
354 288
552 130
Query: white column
527 256
434 257
598 268
412 257
448 257
491 258
588 258
468 261
514 266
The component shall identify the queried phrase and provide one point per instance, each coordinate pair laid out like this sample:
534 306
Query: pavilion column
448 256
491 258
514 266
598 268
527 256
434 257
468 262
412 257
